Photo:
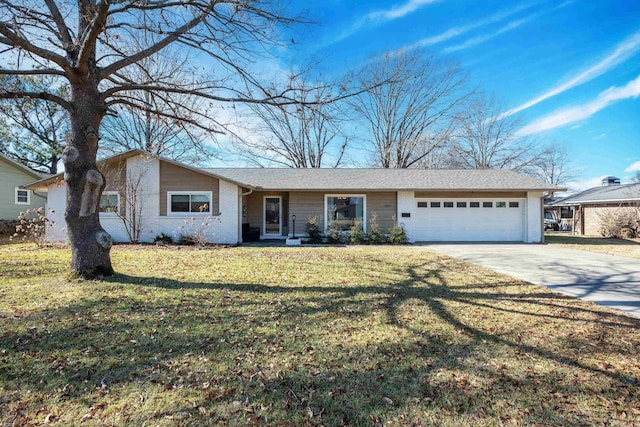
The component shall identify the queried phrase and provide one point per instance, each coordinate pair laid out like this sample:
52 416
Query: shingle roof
612 193
382 179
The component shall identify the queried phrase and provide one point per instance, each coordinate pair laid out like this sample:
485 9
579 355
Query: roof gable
20 166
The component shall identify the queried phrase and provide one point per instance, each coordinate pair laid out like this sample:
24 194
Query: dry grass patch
305 336
621 247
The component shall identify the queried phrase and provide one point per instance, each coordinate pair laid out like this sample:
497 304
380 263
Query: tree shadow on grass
266 351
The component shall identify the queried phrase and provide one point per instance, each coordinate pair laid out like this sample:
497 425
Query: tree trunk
90 243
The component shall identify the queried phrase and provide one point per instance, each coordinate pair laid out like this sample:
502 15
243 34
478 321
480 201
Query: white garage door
469 220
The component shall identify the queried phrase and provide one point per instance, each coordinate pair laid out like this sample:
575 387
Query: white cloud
398 11
573 114
483 38
622 52
584 184
458 31
384 15
602 135
633 167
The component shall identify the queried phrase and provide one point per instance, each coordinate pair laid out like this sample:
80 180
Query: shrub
620 223
188 240
356 234
375 236
336 235
164 238
397 235
197 230
312 230
31 227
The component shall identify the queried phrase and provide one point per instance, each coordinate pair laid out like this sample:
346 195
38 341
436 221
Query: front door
272 216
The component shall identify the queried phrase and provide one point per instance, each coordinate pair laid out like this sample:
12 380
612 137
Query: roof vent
610 180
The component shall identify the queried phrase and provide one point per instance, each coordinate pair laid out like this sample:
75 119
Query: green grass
621 247
306 336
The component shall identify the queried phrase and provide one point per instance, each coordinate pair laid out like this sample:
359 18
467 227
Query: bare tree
636 177
132 193
410 116
88 45
553 165
305 135
486 139
169 134
34 130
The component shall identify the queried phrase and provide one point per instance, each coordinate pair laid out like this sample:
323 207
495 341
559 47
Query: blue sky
569 71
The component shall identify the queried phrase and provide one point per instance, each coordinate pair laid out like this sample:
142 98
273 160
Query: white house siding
406 205
56 203
222 229
534 217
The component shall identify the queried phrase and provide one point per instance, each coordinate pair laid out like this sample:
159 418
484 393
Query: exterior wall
222 228
311 203
176 178
254 203
116 179
305 205
10 178
593 215
56 204
406 204
534 218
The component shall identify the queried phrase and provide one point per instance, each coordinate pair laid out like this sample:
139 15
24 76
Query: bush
335 235
164 238
312 230
397 235
357 235
31 227
620 223
375 236
187 240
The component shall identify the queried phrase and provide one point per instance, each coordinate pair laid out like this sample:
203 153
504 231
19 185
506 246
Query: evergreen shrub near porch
374 235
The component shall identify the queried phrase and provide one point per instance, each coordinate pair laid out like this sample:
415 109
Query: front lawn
306 336
621 247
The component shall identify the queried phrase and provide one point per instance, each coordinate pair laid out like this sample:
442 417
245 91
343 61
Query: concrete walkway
604 279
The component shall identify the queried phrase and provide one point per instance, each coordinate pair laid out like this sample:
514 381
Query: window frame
364 208
17 191
170 212
110 193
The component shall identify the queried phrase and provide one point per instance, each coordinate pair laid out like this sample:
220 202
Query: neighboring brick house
590 206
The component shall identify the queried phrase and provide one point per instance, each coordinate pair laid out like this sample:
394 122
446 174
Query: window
514 204
23 197
435 204
189 203
447 204
501 204
110 202
423 204
487 204
344 211
461 204
474 204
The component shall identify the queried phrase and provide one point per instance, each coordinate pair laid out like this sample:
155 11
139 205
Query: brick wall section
592 215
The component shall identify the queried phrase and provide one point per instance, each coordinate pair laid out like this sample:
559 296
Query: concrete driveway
604 279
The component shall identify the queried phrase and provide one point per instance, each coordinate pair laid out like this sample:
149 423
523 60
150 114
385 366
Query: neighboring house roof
21 166
341 179
607 194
